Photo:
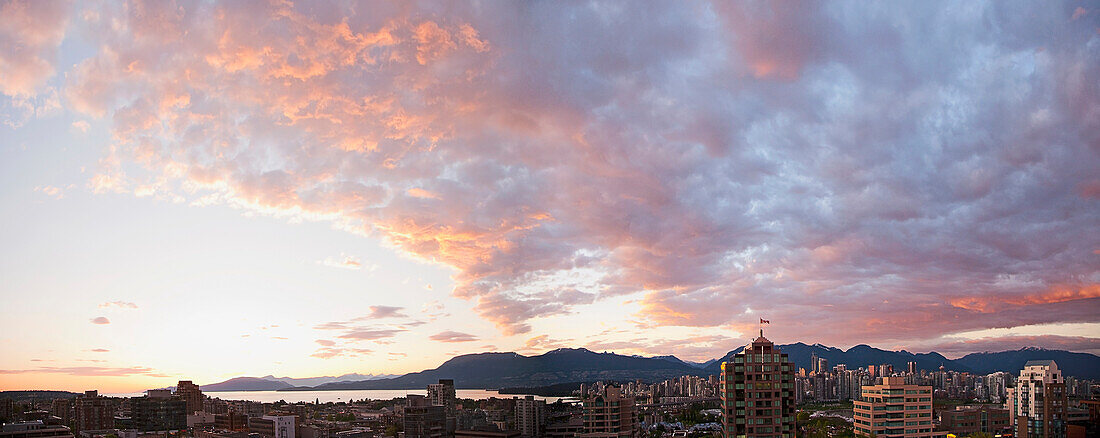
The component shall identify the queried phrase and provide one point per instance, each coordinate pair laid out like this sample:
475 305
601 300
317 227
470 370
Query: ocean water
338 396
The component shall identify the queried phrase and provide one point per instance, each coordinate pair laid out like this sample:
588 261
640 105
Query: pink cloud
377 312
331 352
100 320
367 334
453 336
29 39
90 371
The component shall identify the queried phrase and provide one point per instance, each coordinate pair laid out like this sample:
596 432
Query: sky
205 190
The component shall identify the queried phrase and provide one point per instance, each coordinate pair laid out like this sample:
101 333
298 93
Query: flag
764 321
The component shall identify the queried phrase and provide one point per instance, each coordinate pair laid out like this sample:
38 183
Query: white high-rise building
1038 402
530 416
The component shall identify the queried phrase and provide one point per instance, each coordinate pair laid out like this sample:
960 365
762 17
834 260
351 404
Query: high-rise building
894 409
191 394
1038 402
424 419
7 410
609 414
757 390
92 412
912 367
443 394
530 416
62 408
157 411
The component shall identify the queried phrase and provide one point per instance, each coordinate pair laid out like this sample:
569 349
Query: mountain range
272 383
1082 365
570 365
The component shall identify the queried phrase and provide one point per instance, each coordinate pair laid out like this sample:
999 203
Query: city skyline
210 190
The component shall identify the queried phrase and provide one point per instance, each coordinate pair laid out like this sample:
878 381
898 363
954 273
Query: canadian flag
764 321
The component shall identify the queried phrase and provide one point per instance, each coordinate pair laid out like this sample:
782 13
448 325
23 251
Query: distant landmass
31 396
560 370
500 370
314 381
246 384
272 383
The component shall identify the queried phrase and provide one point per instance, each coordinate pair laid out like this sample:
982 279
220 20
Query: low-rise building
968 420
273 426
894 409
232 421
34 429
158 410
487 434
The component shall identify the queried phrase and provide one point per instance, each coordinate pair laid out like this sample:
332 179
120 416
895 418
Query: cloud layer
880 172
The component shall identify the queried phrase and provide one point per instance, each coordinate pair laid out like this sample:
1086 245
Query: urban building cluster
678 390
822 383
759 392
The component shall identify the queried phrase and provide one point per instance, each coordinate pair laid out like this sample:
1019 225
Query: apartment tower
609 414
191 394
92 412
1038 402
757 389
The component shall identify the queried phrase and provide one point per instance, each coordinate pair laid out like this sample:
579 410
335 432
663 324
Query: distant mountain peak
569 350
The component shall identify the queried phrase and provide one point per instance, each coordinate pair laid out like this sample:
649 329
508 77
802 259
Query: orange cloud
418 192
433 42
1055 294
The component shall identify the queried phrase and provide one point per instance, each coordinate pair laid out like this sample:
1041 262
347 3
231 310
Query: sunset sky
205 190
